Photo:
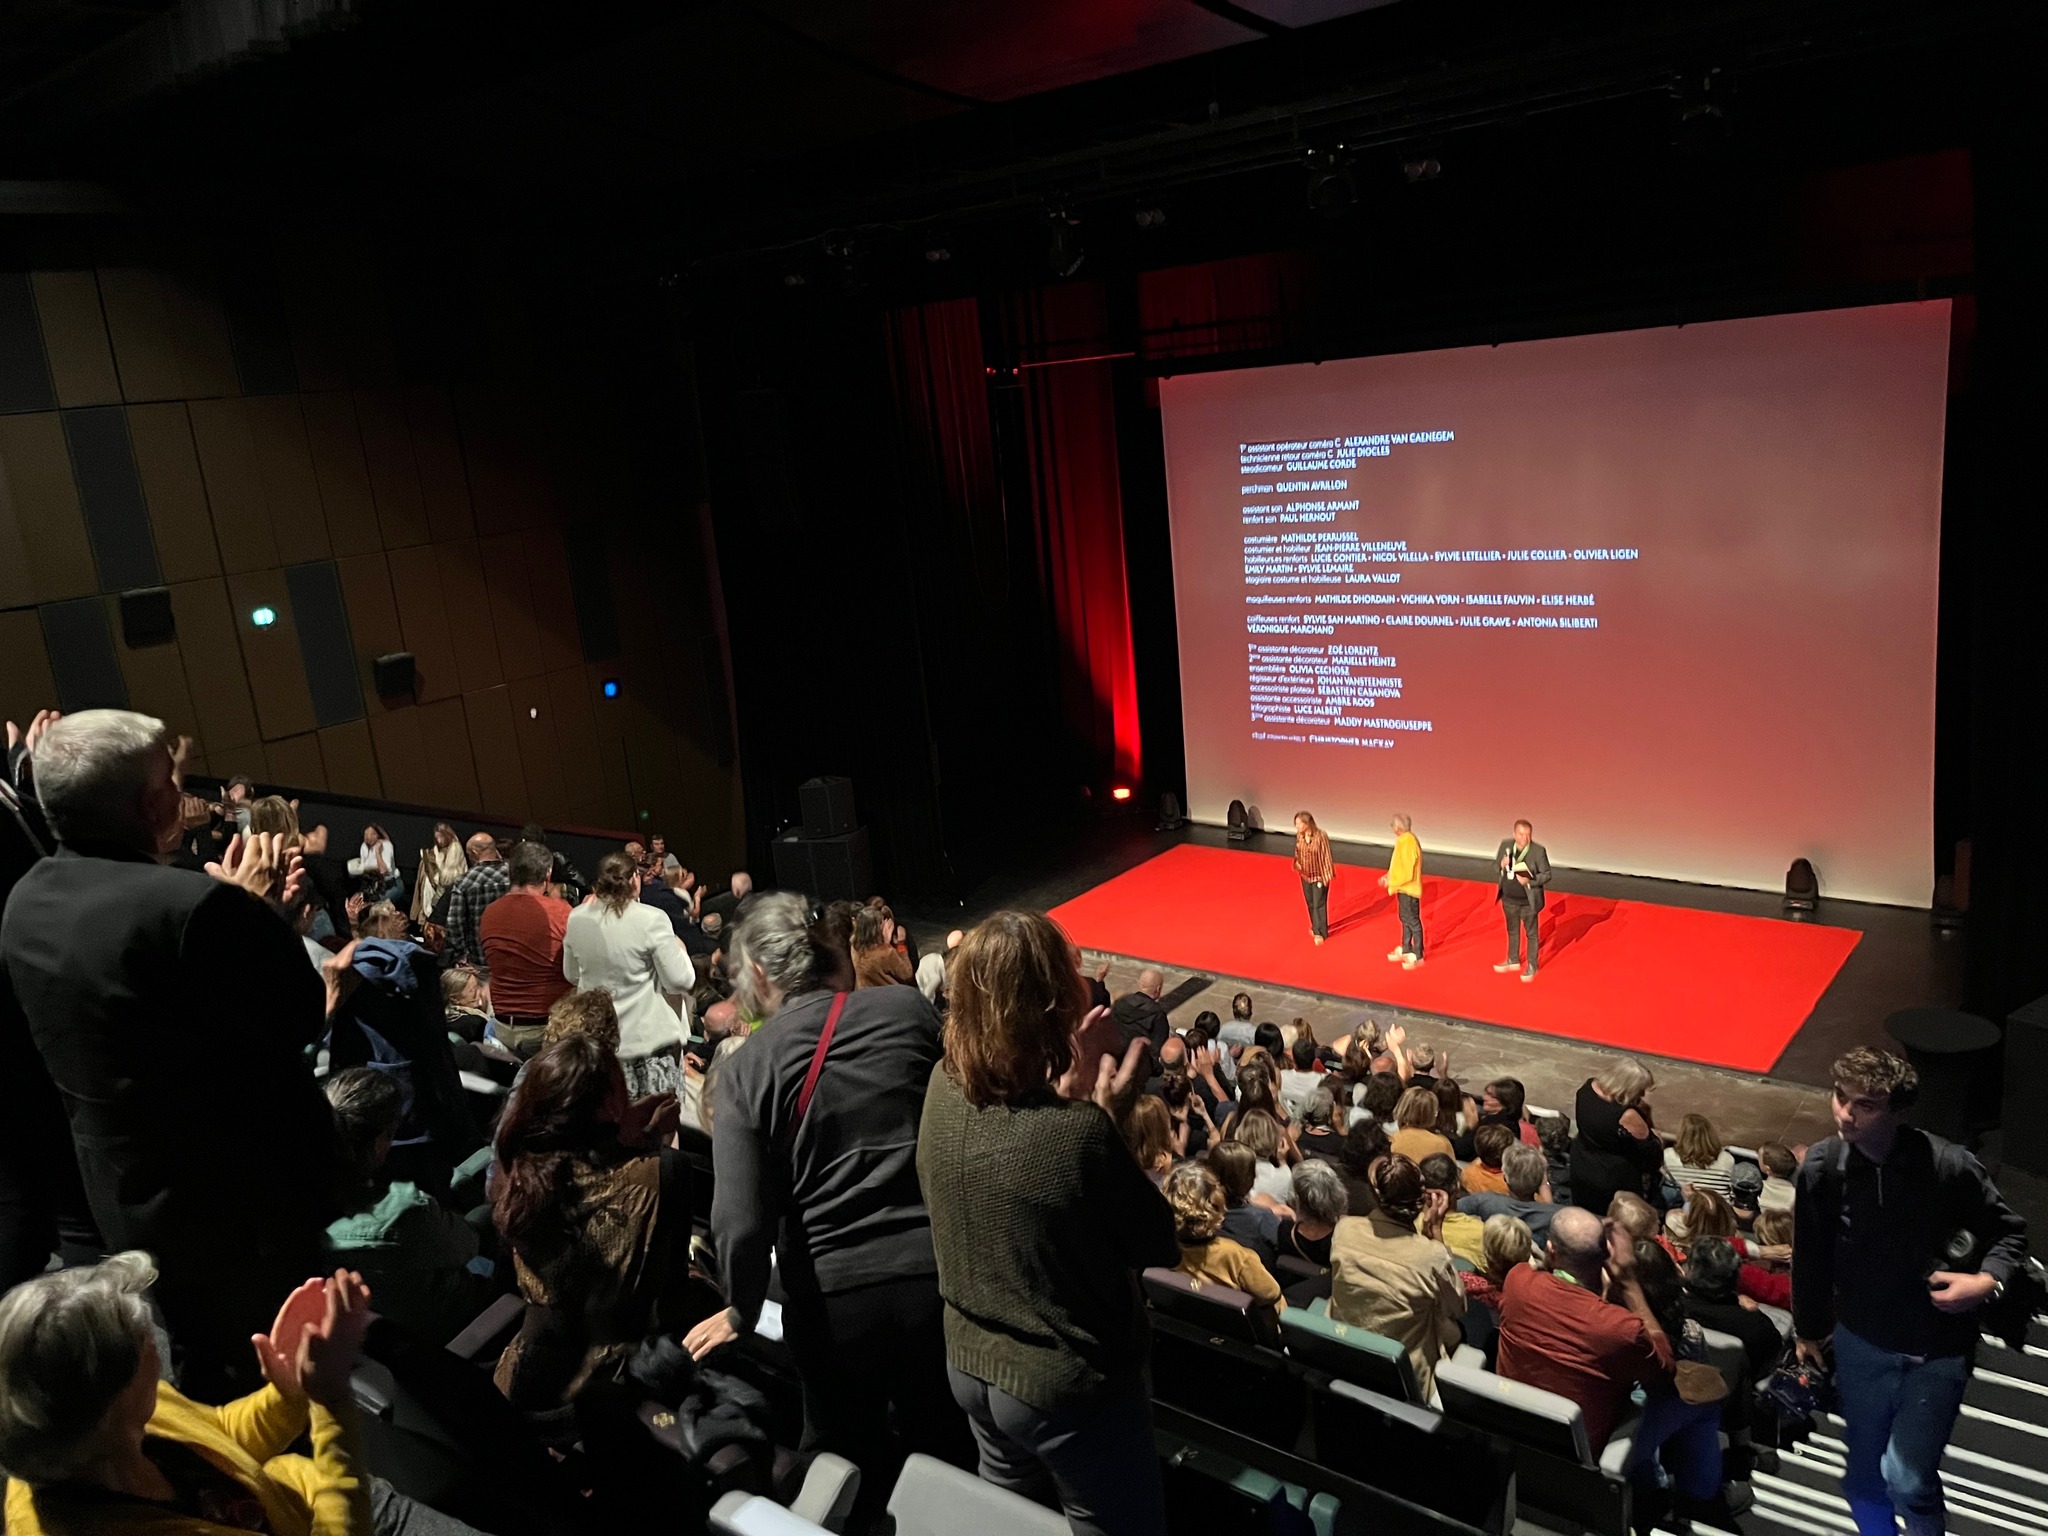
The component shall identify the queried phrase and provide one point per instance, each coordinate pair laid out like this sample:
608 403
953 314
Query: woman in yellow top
93 1442
1315 865
1404 879
1205 1254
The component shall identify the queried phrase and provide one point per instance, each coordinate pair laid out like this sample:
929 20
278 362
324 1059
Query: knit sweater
1039 1218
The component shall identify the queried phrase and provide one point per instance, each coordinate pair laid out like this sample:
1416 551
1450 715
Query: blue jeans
1690 1433
1098 1465
1900 1410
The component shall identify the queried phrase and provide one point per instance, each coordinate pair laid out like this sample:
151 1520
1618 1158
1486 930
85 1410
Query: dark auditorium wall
392 457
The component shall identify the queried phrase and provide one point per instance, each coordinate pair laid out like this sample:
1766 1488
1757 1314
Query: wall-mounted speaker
393 676
146 618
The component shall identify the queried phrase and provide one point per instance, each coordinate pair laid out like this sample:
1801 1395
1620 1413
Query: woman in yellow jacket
93 1442
1404 879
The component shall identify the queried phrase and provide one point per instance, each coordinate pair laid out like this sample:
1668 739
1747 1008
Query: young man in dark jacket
1901 1237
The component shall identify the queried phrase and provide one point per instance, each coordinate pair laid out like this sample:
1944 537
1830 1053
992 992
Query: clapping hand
312 1348
260 864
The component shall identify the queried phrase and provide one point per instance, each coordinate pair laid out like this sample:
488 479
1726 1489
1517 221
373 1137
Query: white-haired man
173 1012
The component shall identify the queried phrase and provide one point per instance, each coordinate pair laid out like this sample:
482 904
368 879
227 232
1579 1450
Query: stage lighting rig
1332 191
1064 254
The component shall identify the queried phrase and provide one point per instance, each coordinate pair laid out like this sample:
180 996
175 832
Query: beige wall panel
290 488
75 338
469 614
214 672
234 485
175 490
199 336
494 748
554 601
423 612
576 727
39 514
351 760
540 758
394 479
277 670
25 681
437 451
402 756
344 479
450 768
511 596
145 353
296 761
509 483
373 624
155 675
247 758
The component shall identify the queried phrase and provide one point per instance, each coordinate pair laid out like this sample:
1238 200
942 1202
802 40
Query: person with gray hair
1320 1202
173 1012
92 1439
1527 1172
814 1131
1403 880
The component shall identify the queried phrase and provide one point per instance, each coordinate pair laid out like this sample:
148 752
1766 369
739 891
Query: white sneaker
1528 975
1397 954
1411 962
1505 966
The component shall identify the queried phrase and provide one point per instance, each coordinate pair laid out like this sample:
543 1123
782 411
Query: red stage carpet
1701 986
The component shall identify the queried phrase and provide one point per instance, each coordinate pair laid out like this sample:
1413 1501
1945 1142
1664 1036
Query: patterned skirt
660 1073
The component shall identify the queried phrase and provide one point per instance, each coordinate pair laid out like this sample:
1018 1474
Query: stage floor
1717 988
1900 960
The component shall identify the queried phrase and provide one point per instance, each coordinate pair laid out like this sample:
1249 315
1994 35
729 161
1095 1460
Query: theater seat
933 1499
748 1514
1410 1447
1224 1311
1555 1469
1348 1352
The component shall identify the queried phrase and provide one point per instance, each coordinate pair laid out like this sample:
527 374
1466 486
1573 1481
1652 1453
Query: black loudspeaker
794 868
841 867
827 806
146 618
1236 824
393 675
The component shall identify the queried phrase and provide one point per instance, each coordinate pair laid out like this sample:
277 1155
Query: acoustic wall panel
511 597
451 771
372 618
415 582
295 763
214 670
402 756
155 677
24 370
351 760
291 491
80 644
234 485
394 478
277 672
437 453
173 490
325 645
25 681
344 478
110 497
576 736
145 352
39 514
259 331
554 602
540 759
461 569
588 568
75 337
494 748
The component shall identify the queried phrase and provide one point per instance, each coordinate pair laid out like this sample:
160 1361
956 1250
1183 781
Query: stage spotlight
1331 190
611 687
1149 218
1425 169
937 254
1802 887
1063 252
1121 792
1236 824
263 617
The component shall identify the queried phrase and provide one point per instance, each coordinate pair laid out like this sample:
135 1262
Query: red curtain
1245 304
1077 508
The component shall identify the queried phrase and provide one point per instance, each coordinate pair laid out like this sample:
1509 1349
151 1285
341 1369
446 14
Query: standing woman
376 865
1616 1149
1312 861
1404 879
619 942
1040 1218
441 865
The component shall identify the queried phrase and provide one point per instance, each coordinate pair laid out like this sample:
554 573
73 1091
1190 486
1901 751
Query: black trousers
1521 918
873 1363
1410 908
1318 899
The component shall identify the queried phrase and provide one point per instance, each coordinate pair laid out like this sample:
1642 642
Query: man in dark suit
1524 872
173 1011
1139 1015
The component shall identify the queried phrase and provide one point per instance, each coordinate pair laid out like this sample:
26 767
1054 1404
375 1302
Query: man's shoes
1529 975
1397 954
1505 966
1411 962
1317 937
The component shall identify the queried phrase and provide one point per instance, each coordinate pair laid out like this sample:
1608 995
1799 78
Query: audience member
1767 1280
1490 1143
1255 1227
1319 1204
1139 1014
1299 1077
375 864
101 936
1391 1274
1504 1244
1635 1216
661 888
1207 1252
521 935
726 904
877 962
1698 1158
1554 1135
1616 1146
931 981
466 1016
93 1440
1155 1142
1316 1133
1580 1326
1261 1132
1779 1166
442 863
1365 1145
1039 1216
1676 1446
596 1222
616 942
1417 1135
1704 1214
815 1137
1504 1102
1712 1271
414 1252
489 877
1464 1235
1527 1199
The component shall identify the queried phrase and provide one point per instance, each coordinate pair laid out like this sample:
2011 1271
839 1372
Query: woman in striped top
1698 1157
